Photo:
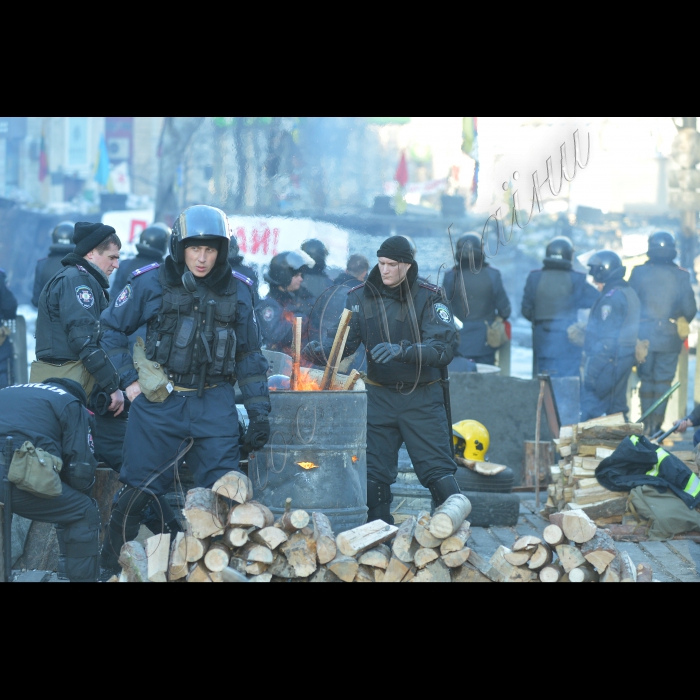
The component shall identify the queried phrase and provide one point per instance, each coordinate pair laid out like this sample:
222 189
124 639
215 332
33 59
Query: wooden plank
296 352
336 354
546 460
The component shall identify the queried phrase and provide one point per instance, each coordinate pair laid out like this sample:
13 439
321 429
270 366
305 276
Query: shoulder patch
82 269
85 296
124 296
243 278
268 314
144 270
354 289
431 287
443 313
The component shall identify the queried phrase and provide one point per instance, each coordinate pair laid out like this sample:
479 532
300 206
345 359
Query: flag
469 134
102 167
43 159
402 171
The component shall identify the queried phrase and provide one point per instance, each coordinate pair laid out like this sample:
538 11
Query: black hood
217 280
73 260
145 251
374 283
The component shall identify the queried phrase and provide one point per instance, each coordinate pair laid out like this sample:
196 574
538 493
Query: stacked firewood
572 550
243 542
574 485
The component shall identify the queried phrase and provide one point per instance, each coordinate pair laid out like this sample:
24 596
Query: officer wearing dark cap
410 335
668 306
8 311
68 333
51 416
152 247
202 338
46 268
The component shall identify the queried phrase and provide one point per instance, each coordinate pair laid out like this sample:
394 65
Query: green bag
153 380
35 471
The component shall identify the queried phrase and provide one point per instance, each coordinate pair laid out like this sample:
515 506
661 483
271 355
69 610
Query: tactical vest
177 340
629 333
554 299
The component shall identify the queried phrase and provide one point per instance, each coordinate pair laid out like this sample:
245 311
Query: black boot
379 498
443 489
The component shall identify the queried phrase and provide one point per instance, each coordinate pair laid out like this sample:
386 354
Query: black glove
258 433
384 353
313 352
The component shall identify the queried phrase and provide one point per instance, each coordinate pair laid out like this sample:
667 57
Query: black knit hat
396 248
88 236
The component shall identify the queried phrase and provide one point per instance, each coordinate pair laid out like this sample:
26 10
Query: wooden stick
538 428
296 353
351 381
341 338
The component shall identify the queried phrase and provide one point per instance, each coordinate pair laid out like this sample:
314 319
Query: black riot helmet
606 266
197 226
317 251
662 247
63 233
470 244
560 252
285 266
155 237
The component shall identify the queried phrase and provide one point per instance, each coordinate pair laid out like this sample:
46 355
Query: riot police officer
286 300
53 417
551 302
316 279
410 335
477 296
68 332
202 338
152 247
8 311
611 339
236 261
46 268
668 303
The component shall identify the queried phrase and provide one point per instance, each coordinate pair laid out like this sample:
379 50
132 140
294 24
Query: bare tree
176 135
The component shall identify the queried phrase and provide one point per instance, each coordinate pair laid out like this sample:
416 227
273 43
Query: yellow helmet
471 440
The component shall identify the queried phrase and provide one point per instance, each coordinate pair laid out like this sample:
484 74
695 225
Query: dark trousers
656 375
156 432
607 395
110 433
77 521
565 366
417 419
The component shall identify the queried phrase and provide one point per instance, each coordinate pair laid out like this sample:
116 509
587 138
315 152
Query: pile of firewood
243 542
574 485
573 550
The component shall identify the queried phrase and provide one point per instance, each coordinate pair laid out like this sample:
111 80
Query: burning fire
305 383
355 460
308 465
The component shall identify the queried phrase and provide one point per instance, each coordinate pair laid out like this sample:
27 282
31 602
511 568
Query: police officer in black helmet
668 306
551 302
316 279
152 247
611 339
410 335
202 333
286 300
46 268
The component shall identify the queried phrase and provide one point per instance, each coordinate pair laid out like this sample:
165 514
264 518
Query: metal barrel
326 432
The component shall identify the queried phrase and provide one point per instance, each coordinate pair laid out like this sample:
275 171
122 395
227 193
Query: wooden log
590 496
546 458
557 519
584 574
468 574
570 557
326 548
177 568
436 572
424 557
158 555
553 573
610 432
484 567
519 558
336 354
345 568
294 520
424 537
250 568
236 486
300 551
541 558
257 552
527 544
628 571
377 558
199 574
508 572
251 514
554 536
450 516
600 551
365 537
297 323
578 527
324 575
134 562
458 541
645 573
270 537
405 546
351 380
455 560
364 575
206 513
281 568
236 537
193 549
612 573
396 570
614 420
602 509
218 557
261 578
411 574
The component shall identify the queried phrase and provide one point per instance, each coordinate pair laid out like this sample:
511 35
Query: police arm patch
85 296
268 314
443 313
605 312
124 296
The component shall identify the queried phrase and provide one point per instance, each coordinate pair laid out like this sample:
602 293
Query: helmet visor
203 222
